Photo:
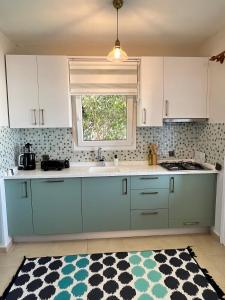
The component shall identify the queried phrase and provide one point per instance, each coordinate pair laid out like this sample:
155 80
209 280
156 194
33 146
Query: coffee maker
26 160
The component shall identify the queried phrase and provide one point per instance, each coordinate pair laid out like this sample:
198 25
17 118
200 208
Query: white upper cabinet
38 91
185 87
22 91
150 104
53 83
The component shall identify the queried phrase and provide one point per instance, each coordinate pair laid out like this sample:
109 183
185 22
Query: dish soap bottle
116 161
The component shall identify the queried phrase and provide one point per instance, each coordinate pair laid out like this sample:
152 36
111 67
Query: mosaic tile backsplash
58 143
8 148
211 140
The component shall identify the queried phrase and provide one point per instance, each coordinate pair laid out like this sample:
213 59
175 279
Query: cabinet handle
191 223
124 186
42 117
149 193
167 108
34 116
26 190
172 185
152 213
54 181
149 178
144 116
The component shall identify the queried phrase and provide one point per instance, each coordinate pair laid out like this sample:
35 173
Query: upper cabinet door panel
150 106
53 83
22 90
185 87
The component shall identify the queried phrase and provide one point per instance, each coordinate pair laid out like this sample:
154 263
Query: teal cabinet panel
149 219
19 208
56 206
192 200
149 198
106 204
150 182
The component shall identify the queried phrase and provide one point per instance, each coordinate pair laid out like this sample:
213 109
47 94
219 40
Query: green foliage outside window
104 117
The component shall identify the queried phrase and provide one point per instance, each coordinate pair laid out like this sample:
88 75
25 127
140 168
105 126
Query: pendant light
117 54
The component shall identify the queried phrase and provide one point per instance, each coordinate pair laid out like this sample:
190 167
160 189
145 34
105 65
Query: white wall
214 46
211 47
5 47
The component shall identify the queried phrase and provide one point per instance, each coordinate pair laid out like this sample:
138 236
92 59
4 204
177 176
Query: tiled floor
210 254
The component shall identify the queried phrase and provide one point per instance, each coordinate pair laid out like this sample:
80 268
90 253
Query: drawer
149 182
149 219
149 199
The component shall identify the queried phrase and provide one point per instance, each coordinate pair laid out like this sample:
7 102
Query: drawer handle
149 178
124 186
54 181
191 223
172 185
152 213
25 189
149 193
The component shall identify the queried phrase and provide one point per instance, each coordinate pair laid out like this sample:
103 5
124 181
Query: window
106 121
104 110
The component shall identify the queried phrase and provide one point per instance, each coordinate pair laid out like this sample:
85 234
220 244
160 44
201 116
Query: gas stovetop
182 166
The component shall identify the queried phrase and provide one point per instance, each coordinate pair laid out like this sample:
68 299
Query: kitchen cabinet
98 204
19 207
149 219
22 82
192 200
38 91
56 206
150 104
149 202
106 204
185 87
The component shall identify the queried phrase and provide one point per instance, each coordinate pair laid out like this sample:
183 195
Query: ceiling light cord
117 22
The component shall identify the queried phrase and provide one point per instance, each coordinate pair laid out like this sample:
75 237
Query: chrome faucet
100 158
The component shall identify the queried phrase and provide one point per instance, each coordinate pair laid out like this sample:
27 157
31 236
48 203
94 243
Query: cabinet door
192 200
150 105
22 91
185 87
106 204
56 206
19 209
53 83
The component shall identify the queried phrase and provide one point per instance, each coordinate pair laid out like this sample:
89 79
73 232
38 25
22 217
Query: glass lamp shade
117 54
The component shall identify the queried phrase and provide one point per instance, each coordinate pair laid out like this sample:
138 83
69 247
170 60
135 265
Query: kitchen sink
103 169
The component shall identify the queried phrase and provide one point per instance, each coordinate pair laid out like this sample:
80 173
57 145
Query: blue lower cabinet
149 219
19 207
106 204
192 200
56 206
149 198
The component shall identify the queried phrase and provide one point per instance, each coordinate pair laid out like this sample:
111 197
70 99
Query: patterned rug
147 275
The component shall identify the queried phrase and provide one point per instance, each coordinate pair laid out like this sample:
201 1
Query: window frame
81 145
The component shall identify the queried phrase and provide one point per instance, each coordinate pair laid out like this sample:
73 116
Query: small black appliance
54 164
182 166
26 160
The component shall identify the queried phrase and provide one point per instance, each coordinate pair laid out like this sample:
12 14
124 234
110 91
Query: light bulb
117 54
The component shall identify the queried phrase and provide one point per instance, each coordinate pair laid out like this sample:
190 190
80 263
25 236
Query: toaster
54 164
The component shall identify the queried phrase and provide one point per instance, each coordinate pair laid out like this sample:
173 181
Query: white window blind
103 78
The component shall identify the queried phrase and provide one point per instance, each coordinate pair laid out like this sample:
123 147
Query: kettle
26 160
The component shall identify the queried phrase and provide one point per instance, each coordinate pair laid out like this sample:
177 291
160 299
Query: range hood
185 120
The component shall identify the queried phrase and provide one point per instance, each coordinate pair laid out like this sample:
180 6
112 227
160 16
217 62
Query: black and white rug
147 275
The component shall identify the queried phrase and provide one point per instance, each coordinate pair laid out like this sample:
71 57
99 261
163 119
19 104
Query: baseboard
7 247
215 234
108 235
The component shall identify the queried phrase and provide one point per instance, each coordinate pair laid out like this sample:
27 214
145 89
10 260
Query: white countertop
124 168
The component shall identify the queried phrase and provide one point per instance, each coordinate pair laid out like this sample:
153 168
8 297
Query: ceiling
87 27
